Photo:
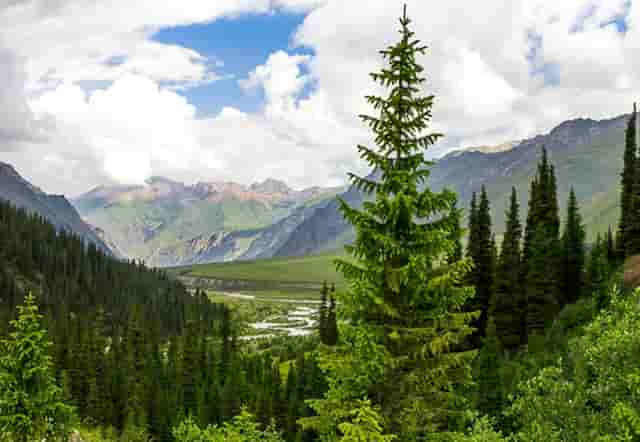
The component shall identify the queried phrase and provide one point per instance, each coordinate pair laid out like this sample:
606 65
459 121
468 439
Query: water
298 322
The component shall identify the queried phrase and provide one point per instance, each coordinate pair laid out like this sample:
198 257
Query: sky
103 92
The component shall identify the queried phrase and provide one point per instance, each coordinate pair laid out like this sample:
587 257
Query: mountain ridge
166 222
55 208
580 148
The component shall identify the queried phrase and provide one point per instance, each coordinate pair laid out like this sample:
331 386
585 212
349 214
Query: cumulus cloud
128 126
500 70
489 84
17 122
280 78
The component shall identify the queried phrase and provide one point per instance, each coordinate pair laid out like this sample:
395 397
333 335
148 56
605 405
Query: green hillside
305 269
589 160
140 228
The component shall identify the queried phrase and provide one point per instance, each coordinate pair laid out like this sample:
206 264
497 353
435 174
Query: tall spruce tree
402 304
542 249
31 407
482 256
628 180
332 319
472 229
632 232
323 312
456 237
573 258
598 272
508 301
611 248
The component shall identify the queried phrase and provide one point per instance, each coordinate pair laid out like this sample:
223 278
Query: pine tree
573 252
331 337
611 248
482 255
402 302
135 358
472 229
508 302
628 180
598 272
323 313
542 259
190 373
31 406
456 237
632 232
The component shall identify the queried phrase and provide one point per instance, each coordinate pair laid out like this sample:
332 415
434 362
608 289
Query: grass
305 269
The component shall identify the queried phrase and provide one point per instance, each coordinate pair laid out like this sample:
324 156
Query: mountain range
168 223
586 153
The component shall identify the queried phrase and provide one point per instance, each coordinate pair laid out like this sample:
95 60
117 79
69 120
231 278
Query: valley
272 297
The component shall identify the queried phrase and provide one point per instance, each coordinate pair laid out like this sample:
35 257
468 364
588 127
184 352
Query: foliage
243 428
542 250
31 404
509 304
593 394
481 252
629 178
364 425
573 254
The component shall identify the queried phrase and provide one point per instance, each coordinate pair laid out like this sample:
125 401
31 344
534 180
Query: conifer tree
597 271
135 358
31 407
456 237
331 337
508 302
323 314
402 302
628 180
190 375
611 248
472 229
573 252
542 259
482 255
632 232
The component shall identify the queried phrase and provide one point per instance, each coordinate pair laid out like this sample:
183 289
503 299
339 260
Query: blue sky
241 43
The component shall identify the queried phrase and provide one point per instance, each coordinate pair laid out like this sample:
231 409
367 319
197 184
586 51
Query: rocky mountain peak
271 185
7 171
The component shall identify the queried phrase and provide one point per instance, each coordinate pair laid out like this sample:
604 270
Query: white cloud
280 78
488 87
128 126
17 122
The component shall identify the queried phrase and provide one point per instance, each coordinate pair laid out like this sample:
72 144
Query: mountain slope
587 154
55 208
168 223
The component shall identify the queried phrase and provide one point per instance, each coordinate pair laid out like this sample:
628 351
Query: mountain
168 223
587 154
55 208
